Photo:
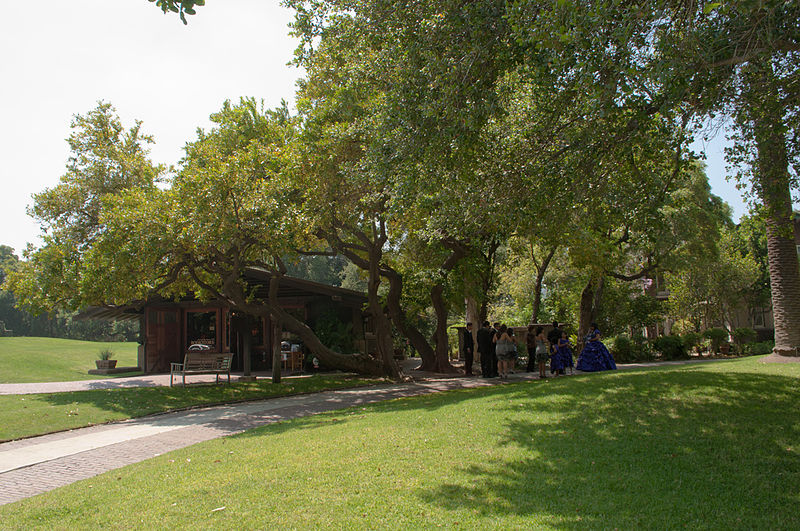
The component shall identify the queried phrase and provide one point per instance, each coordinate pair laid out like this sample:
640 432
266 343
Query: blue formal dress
595 355
565 352
556 361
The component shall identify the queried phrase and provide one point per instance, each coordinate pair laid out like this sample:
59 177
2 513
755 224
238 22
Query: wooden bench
198 362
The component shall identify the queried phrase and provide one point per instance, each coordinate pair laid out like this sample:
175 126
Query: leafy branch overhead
182 7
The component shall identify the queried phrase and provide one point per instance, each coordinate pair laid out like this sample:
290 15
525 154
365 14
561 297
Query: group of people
556 348
498 351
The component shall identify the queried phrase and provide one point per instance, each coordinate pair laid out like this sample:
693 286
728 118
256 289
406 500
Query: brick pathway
36 465
39 464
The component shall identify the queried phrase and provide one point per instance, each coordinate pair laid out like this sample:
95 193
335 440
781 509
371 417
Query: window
201 328
758 317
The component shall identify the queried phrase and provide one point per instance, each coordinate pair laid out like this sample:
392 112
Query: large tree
115 237
733 59
106 159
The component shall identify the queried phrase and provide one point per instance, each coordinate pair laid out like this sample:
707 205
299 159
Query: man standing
552 337
485 334
469 351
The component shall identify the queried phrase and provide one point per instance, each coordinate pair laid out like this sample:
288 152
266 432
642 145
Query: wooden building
169 328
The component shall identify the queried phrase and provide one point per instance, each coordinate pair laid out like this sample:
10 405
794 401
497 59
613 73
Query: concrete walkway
39 464
147 380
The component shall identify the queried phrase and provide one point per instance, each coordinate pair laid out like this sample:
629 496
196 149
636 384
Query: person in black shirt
485 347
469 350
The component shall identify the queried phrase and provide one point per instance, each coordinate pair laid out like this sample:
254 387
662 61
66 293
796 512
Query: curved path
39 464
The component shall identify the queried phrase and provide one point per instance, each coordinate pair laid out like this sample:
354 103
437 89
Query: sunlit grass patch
708 445
47 359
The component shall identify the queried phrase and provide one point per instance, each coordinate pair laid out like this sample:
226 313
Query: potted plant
104 360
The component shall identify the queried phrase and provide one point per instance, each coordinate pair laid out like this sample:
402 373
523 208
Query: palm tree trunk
772 181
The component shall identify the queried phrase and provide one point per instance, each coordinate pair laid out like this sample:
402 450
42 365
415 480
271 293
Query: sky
59 58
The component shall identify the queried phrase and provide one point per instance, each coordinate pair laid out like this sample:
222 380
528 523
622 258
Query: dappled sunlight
635 440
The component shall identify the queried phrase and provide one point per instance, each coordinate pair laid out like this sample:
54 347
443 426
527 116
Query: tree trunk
487 280
441 342
772 182
537 289
400 320
276 350
373 244
359 363
380 323
472 317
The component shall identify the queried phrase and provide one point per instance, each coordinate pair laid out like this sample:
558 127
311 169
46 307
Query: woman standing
565 352
541 352
595 355
506 350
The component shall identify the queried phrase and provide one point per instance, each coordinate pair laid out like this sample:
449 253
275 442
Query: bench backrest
207 361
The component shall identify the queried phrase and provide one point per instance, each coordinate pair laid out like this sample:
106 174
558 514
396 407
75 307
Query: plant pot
105 364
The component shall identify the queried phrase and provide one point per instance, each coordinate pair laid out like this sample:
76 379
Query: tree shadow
139 401
639 449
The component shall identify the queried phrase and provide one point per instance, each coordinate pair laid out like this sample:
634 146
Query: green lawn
28 415
711 445
46 359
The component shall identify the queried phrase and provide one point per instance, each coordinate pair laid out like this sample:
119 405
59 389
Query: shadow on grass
343 409
645 450
134 402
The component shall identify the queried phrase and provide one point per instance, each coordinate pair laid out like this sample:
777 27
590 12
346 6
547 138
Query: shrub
670 347
717 336
628 350
642 349
744 335
622 349
691 340
105 354
758 349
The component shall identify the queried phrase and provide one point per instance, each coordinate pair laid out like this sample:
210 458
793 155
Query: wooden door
163 339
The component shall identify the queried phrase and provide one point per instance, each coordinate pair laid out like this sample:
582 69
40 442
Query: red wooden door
163 339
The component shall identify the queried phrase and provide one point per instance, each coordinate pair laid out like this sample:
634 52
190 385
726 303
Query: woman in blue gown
556 361
595 355
565 351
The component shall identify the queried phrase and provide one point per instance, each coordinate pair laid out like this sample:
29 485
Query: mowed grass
712 445
28 415
47 359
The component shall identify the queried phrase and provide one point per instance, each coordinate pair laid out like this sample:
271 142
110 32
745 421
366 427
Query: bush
758 349
671 347
744 335
691 340
717 336
627 350
622 349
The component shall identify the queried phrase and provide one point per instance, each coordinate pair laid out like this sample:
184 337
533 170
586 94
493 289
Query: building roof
289 288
